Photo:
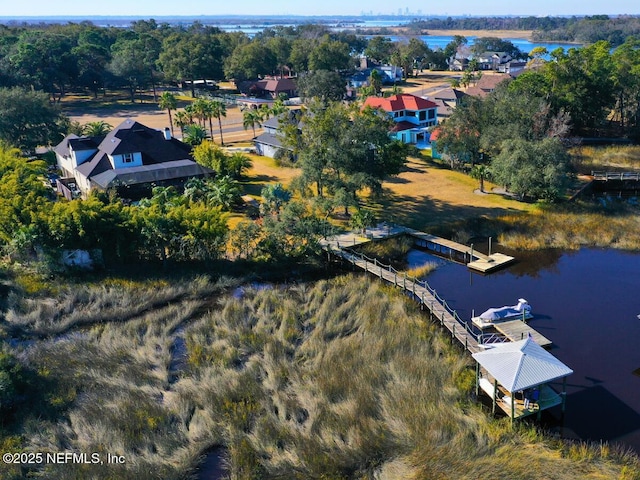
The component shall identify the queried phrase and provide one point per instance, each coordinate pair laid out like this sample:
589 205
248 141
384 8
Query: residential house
487 84
450 96
269 142
492 60
389 74
458 64
269 87
513 67
412 115
132 159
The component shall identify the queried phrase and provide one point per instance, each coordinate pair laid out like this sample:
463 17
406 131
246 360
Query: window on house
396 114
432 114
127 158
410 113
422 115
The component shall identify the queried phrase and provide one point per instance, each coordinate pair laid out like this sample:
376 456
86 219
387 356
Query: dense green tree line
588 29
513 136
490 23
592 29
59 58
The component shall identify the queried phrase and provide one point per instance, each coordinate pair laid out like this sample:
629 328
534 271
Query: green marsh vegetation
335 379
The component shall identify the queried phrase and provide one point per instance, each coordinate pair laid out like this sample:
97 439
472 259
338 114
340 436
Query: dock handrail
408 283
616 176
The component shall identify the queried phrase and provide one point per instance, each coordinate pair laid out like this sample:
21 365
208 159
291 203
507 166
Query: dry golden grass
587 158
335 379
573 227
425 196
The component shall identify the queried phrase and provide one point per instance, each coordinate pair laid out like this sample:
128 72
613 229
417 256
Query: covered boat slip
516 376
548 398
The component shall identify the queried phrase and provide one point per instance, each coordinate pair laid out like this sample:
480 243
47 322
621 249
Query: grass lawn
423 195
427 195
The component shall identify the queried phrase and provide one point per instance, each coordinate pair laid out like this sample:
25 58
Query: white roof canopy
521 365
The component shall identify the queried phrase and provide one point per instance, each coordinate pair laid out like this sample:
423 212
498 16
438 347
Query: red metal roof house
412 114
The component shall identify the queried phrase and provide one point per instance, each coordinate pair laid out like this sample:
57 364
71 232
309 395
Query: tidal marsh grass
422 271
391 250
573 227
335 379
588 158
87 305
361 386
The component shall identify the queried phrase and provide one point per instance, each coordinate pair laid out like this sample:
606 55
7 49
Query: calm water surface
587 303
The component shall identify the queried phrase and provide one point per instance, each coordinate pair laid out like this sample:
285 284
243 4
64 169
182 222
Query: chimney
167 133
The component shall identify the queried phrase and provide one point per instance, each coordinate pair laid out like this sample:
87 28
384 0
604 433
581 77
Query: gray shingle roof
150 173
268 139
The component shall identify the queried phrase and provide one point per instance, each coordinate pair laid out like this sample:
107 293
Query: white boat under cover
494 315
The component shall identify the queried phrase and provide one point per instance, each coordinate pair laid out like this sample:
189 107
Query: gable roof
268 139
444 110
403 101
521 365
449 94
131 137
98 164
490 82
276 85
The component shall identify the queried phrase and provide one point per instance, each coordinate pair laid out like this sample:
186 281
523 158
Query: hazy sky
151 8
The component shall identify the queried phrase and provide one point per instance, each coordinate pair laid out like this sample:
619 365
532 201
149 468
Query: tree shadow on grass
255 184
423 211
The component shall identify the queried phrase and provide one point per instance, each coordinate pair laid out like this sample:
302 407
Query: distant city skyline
157 8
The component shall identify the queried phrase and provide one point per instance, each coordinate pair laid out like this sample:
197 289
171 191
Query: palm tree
200 109
76 128
96 129
218 110
278 108
194 134
168 102
224 192
250 118
239 163
480 172
183 118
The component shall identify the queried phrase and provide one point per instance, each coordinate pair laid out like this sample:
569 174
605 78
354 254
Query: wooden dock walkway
421 291
477 261
516 330
472 258
472 339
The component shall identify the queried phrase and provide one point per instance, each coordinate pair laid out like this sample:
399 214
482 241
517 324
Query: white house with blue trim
413 116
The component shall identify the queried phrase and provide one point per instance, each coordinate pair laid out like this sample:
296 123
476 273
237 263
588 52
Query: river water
588 304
